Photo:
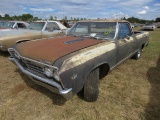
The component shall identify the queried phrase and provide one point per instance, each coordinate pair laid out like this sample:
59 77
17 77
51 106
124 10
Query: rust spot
18 88
52 49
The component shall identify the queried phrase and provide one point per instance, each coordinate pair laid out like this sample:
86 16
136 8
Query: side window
21 25
124 30
81 28
51 26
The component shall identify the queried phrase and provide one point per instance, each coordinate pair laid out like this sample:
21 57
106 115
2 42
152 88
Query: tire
138 54
91 90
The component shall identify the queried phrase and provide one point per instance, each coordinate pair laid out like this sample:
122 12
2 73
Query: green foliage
24 17
65 18
136 20
158 19
51 17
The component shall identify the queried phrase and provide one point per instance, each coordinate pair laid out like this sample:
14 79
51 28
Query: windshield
7 24
99 30
36 25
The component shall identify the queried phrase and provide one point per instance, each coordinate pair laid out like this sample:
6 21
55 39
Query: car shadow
152 111
56 99
4 53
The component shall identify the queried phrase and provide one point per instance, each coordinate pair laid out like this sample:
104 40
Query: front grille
12 53
28 64
33 66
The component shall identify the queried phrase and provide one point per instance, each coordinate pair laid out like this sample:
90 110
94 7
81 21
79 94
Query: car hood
51 49
16 33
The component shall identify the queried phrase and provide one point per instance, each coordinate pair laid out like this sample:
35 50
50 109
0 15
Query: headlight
48 72
56 75
51 73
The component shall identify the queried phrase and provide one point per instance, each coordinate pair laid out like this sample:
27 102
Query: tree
55 18
26 17
0 17
34 19
158 19
51 17
6 17
124 18
77 19
65 18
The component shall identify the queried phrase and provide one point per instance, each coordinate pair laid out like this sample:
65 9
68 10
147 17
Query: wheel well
103 70
143 46
21 41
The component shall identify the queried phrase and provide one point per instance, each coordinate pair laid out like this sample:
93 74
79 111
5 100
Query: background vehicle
36 30
148 27
12 25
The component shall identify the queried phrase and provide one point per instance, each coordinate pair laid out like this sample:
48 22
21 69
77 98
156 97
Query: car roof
104 20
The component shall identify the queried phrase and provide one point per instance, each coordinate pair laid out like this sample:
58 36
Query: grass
129 92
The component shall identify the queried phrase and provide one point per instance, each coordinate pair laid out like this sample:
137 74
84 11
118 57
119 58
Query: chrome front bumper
47 83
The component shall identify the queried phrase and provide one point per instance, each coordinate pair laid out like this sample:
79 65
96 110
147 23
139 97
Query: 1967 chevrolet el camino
66 65
36 30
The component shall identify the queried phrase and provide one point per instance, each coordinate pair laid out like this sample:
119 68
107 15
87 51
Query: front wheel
91 90
138 54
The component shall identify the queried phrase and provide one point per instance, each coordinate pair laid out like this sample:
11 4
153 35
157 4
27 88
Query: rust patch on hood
52 49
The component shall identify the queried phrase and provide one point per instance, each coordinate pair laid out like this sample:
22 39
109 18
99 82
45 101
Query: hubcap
139 54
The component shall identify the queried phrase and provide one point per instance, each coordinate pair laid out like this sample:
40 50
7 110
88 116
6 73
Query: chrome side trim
46 81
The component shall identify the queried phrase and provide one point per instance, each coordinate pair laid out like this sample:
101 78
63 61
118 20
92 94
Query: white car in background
36 30
12 25
148 27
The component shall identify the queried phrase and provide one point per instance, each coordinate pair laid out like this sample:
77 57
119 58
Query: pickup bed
75 62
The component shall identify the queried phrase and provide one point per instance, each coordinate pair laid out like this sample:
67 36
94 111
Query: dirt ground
129 92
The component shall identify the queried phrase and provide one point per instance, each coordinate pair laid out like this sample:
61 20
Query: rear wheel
91 90
138 54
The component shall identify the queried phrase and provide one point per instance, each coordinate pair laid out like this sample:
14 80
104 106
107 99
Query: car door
124 41
51 30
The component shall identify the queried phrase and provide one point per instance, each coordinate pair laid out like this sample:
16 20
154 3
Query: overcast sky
144 9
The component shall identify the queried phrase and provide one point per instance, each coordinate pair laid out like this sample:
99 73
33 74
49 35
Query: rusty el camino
36 30
75 62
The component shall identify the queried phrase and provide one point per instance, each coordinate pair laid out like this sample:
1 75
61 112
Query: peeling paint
86 55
